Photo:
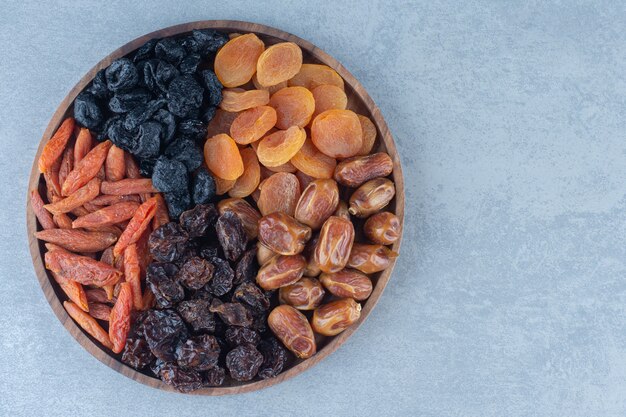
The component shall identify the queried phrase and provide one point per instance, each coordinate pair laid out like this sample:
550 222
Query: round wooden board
358 100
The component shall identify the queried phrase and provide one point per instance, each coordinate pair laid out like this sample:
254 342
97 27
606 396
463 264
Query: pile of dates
210 317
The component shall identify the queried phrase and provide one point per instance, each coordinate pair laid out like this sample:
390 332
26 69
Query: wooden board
358 100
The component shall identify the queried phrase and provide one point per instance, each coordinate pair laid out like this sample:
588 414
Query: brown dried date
348 283
231 235
370 258
371 197
293 329
305 294
334 245
342 210
353 172
382 228
263 253
248 215
312 268
336 316
280 271
282 234
317 203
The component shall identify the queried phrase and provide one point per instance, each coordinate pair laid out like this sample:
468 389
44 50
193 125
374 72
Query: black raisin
196 313
167 291
223 275
168 243
168 121
189 64
184 380
209 114
231 235
192 129
146 166
232 314
165 73
170 50
120 136
169 175
123 102
145 51
213 87
236 336
87 112
243 362
203 187
177 202
162 330
187 152
141 114
98 86
137 353
148 140
274 358
195 273
184 96
121 75
200 353
209 40
214 377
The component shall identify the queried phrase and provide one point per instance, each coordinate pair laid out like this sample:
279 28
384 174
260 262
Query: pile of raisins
210 317
155 104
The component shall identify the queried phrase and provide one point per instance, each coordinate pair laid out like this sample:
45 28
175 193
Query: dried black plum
168 243
213 87
168 121
195 273
148 74
202 187
192 129
87 112
184 96
140 114
137 353
274 358
231 235
184 380
165 73
145 51
223 275
170 50
196 313
98 86
243 362
166 290
236 336
120 136
247 267
148 140
209 40
187 152
198 220
209 114
177 202
169 175
121 75
214 377
146 166
252 296
162 330
189 64
232 314
123 102
200 353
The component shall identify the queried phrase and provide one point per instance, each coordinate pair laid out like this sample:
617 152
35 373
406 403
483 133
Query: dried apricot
249 180
250 125
86 169
328 97
279 147
294 106
235 62
221 122
337 133
369 134
286 167
54 148
272 89
312 162
278 63
238 100
313 75
222 157
280 192
223 186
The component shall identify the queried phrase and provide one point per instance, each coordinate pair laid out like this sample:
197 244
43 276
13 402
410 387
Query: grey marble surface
509 298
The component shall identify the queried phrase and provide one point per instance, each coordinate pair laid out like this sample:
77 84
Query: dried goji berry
86 169
128 186
83 195
132 274
137 225
67 164
62 220
100 311
54 148
88 323
115 167
83 144
74 291
107 215
43 215
119 320
161 215
81 269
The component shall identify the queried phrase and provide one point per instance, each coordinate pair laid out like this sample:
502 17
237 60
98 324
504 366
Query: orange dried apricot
278 63
250 125
220 123
369 134
249 180
328 97
313 75
222 157
286 167
280 192
294 106
279 147
235 62
337 133
272 89
238 100
312 162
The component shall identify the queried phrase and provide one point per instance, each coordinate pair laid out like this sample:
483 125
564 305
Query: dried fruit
312 162
137 353
54 148
293 330
168 242
77 240
279 193
74 291
337 133
128 186
83 195
199 220
286 167
237 100
184 380
336 316
250 295
348 283
233 314
369 134
221 123
249 180
355 171
280 271
305 294
223 158
203 187
371 197
312 268
200 353
371 258
246 268
161 215
121 75
248 215
294 107
107 216
63 221
334 245
283 234
264 254
162 330
279 147
86 169
43 215
223 277
382 228
274 358
132 274
328 97
236 336
81 269
119 320
160 280
67 163
215 377
252 124
136 226
314 75
83 144
243 362
88 323
100 311
196 313
278 63
115 167
231 235
97 295
317 203
342 210
235 63
169 175
195 273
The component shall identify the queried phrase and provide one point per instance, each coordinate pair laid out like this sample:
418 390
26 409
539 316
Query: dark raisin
202 294
123 102
187 152
98 86
168 122
87 112
231 235
170 50
251 296
162 330
259 322
209 40
189 64
121 75
199 220
232 314
184 96
148 140
213 87
120 136
137 353
274 358
192 129
177 202
247 267
209 252
145 51
223 275
195 273
184 380
236 336
199 353
202 187
214 377
167 291
196 313
243 362
169 175
168 242
146 167
141 114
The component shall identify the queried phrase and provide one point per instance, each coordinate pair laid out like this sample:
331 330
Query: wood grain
358 100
